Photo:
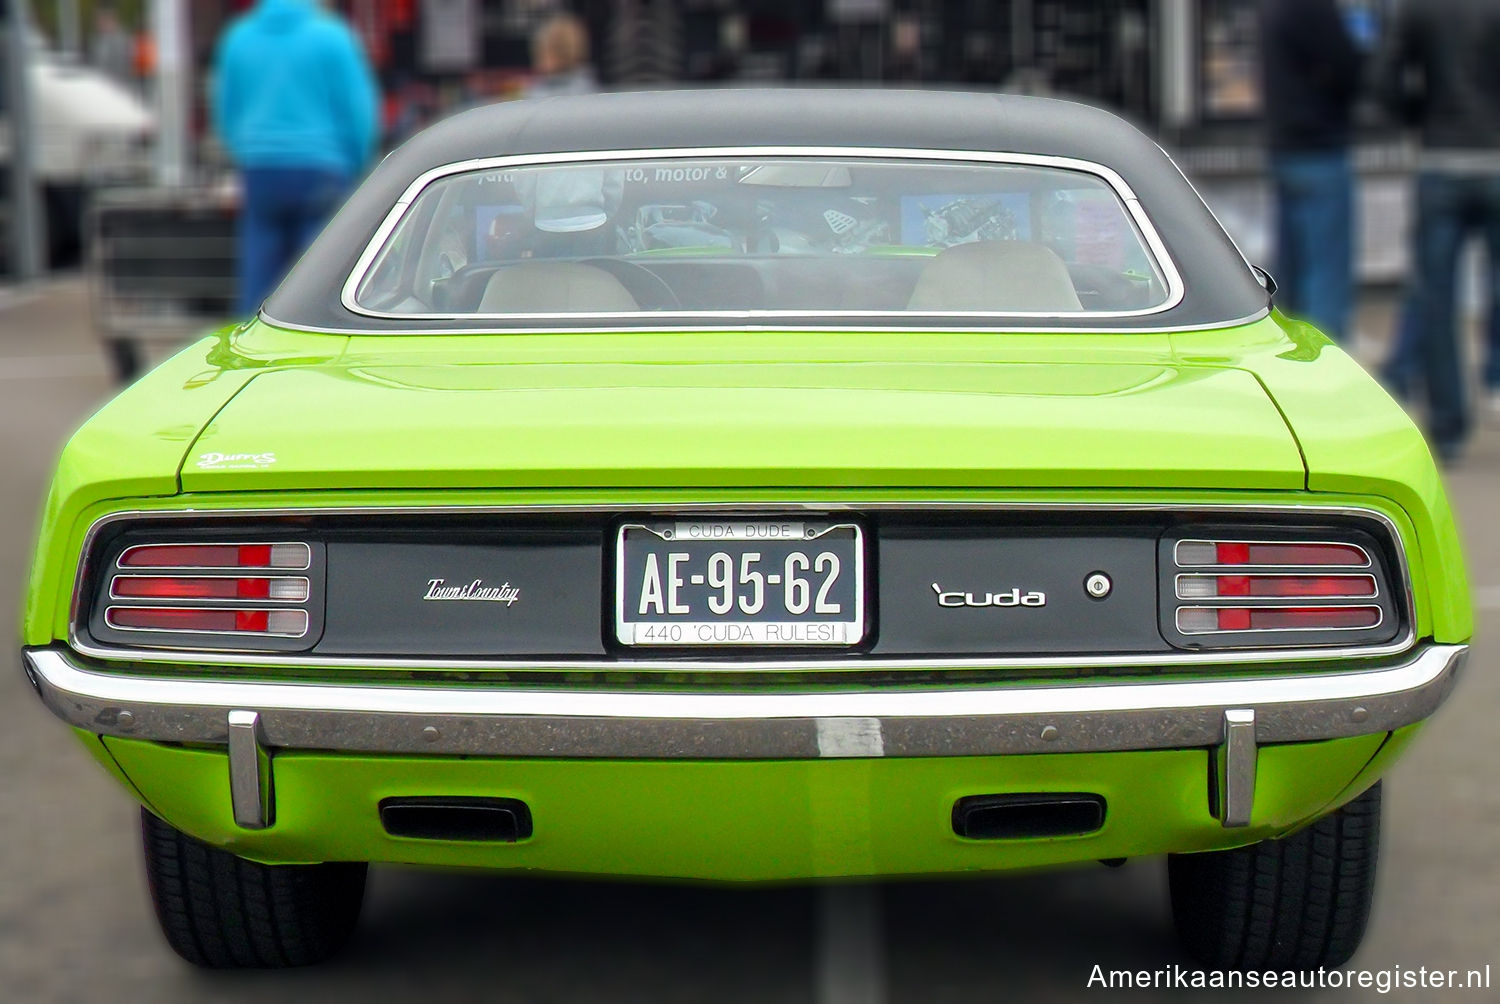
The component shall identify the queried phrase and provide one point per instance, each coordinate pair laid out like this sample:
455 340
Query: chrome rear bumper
1233 715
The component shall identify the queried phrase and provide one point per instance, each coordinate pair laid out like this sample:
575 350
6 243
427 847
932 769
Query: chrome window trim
1249 265
1176 290
1177 550
749 509
1332 599
647 324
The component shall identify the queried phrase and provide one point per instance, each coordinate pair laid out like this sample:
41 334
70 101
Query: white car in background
88 130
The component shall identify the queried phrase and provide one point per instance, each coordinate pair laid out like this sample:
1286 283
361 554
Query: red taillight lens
1201 620
160 587
293 555
204 620
1313 585
1199 553
252 620
222 593
1232 554
1228 619
1242 587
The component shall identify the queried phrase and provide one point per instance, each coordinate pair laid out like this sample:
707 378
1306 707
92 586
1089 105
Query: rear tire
222 911
1299 903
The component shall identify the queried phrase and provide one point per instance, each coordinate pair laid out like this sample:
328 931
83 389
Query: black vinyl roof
1219 287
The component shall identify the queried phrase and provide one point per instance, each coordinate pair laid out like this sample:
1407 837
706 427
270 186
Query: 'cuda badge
473 592
1013 597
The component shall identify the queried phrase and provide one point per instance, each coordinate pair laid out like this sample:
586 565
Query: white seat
996 276
555 287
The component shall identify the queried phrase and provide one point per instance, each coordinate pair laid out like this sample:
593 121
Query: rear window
774 235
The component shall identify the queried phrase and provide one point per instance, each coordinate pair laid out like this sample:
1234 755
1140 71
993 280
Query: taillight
1268 553
1276 588
211 594
1198 620
1200 587
297 555
208 620
222 587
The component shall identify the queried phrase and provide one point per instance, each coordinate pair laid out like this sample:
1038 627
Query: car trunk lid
728 410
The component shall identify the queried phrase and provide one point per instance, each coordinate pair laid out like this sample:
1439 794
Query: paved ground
75 924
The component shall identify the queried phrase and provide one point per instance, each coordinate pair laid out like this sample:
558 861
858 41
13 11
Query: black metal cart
162 268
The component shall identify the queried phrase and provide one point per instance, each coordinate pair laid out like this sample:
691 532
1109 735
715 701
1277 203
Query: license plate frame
699 541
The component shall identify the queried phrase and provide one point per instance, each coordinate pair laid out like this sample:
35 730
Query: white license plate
711 583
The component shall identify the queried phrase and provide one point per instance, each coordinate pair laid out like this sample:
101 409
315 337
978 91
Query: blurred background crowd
161 160
1350 146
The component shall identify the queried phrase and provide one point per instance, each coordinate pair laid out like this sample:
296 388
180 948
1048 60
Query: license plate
733 582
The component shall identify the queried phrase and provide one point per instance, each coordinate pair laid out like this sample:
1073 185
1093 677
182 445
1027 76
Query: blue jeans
1452 208
283 209
1402 369
1315 237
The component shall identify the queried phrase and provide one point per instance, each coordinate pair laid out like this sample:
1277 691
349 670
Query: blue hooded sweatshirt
292 88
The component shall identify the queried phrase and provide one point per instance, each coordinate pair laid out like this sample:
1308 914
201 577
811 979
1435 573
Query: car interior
764 236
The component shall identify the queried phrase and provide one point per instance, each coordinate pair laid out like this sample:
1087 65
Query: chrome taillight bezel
299 616
1383 605
1279 573
108 605
271 579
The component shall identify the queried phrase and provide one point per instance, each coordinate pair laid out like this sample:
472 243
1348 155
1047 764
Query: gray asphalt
75 923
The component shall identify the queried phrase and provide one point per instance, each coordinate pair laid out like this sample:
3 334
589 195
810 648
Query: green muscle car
755 486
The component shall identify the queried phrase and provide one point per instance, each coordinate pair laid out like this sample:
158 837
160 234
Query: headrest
555 287
996 276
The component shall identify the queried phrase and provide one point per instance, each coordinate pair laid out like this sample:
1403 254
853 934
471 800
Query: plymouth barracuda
750 487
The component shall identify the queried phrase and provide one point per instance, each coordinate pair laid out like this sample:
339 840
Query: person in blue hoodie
295 104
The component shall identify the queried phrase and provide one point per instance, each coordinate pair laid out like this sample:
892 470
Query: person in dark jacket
295 103
1311 74
1440 74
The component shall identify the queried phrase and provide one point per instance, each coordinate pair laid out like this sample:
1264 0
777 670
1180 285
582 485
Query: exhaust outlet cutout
1028 815
496 820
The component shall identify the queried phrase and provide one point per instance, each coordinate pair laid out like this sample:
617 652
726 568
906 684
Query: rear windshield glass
806 236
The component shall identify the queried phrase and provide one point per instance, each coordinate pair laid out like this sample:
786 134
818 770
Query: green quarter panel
1266 407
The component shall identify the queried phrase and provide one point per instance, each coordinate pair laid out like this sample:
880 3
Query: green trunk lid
730 410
